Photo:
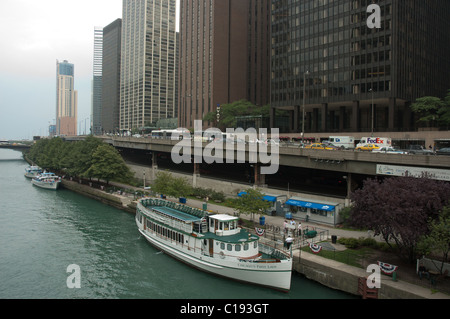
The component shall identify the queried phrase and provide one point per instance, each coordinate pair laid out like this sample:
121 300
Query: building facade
148 62
66 99
96 115
110 109
357 78
224 55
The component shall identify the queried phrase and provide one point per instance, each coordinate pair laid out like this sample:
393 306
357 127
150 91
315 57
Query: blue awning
299 203
267 197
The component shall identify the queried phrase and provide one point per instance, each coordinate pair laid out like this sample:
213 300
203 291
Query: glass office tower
66 99
357 78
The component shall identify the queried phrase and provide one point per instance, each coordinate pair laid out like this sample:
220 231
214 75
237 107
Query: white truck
379 141
344 142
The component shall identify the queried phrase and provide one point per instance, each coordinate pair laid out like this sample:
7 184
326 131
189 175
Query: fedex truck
344 142
380 141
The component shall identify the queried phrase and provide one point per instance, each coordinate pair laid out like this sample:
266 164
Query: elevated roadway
344 161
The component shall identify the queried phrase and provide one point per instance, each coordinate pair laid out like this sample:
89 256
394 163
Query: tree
171 186
438 240
107 164
399 209
252 202
428 108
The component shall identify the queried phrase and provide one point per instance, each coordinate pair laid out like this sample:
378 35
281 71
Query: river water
43 232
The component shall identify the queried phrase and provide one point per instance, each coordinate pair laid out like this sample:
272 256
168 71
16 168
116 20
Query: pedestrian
285 225
289 242
299 229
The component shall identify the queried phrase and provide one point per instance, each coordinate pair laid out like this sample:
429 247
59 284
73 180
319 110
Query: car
367 147
443 151
389 150
321 146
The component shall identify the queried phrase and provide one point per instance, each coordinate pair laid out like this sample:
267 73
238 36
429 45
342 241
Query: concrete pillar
341 118
272 117
392 114
154 165
355 124
260 179
324 126
196 174
297 114
315 117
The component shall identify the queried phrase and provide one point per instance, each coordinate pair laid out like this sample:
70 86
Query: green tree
428 108
107 164
171 186
438 239
252 202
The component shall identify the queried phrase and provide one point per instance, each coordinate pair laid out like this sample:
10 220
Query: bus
170 134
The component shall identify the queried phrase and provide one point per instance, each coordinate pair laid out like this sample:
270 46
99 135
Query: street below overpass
288 178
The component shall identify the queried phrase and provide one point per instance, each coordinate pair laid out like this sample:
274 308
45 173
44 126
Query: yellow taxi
367 147
321 146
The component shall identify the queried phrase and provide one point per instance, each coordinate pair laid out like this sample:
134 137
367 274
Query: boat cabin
223 225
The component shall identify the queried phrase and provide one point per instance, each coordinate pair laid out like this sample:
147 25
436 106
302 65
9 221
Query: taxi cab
320 146
367 147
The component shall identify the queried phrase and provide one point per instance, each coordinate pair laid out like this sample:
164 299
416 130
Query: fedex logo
375 140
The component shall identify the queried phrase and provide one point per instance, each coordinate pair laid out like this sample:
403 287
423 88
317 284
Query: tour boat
32 171
213 243
47 181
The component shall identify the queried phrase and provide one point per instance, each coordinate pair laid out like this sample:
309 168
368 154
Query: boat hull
274 275
46 185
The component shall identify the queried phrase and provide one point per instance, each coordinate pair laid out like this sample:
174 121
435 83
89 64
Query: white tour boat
47 181
32 171
213 243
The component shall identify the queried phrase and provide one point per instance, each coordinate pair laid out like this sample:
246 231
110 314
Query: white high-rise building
96 115
148 63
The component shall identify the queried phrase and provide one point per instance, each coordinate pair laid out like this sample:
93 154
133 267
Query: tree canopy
252 202
399 209
87 158
171 186
433 110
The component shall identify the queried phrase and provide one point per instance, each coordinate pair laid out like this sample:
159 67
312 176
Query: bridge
15 146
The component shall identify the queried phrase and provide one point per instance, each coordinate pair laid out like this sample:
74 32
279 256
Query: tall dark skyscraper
112 35
354 70
224 55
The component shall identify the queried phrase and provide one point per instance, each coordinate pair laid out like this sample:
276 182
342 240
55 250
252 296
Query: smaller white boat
32 171
47 181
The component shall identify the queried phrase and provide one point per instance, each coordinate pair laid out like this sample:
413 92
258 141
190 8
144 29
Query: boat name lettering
256 265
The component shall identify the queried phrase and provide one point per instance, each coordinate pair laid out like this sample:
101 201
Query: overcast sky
34 34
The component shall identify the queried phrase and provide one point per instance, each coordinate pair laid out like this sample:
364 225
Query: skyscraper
360 78
97 82
66 99
148 64
224 55
112 35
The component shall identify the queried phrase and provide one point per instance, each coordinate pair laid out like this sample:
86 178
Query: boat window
245 246
255 244
229 247
222 245
237 247
226 226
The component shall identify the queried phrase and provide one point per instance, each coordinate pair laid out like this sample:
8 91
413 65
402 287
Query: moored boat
47 181
213 243
32 171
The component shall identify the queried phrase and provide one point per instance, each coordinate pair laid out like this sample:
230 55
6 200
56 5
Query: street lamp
303 112
371 90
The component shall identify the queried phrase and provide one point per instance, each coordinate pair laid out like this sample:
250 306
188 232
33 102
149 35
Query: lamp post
303 111
371 90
